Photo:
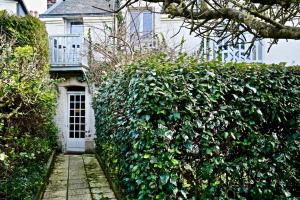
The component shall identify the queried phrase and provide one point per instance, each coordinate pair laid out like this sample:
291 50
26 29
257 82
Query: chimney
50 3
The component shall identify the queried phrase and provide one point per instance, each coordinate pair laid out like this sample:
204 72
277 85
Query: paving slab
77 177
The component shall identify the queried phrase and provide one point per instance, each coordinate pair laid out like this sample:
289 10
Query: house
16 7
72 23
68 24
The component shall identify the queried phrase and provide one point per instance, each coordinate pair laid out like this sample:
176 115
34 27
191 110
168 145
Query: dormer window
74 26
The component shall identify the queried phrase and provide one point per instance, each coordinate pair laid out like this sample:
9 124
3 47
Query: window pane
71 134
147 24
254 53
259 50
82 135
77 27
134 22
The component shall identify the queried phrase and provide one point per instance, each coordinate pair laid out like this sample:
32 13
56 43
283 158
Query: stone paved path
77 177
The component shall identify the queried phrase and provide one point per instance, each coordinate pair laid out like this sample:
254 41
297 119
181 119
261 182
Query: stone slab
79 177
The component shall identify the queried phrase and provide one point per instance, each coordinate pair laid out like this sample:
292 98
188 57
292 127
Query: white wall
58 26
9 5
54 26
61 117
284 51
170 28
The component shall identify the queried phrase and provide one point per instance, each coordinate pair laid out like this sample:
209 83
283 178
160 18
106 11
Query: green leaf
164 178
176 115
232 135
251 88
188 167
174 161
259 112
147 155
286 193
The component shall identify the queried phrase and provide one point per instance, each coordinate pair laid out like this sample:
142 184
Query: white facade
285 51
63 115
9 5
58 27
12 7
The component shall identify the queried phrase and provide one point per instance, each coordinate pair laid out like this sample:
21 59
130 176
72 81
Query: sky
36 5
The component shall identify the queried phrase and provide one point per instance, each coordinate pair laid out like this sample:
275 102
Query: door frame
81 148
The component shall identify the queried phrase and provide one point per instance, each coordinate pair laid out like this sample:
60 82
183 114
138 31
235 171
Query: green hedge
187 130
27 106
26 30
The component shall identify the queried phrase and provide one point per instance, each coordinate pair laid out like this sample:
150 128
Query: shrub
27 105
187 130
24 31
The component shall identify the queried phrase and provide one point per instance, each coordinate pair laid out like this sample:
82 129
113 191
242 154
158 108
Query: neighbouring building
16 7
71 23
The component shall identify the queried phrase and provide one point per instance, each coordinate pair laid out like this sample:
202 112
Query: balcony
67 52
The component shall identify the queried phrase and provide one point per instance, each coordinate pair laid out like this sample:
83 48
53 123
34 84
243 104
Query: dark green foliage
26 30
27 105
188 130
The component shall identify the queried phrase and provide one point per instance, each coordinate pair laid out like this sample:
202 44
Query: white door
76 122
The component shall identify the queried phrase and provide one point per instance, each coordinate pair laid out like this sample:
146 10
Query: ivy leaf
3 156
286 193
188 167
147 155
251 88
176 115
164 178
174 161
232 135
259 112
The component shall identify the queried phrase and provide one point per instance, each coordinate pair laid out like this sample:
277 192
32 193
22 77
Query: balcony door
76 27
74 45
76 121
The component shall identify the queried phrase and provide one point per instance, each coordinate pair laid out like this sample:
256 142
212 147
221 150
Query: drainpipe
114 26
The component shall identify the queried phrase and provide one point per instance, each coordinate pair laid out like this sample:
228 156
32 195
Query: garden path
77 177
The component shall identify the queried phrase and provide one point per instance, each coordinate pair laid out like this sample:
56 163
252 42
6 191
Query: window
238 52
141 24
76 27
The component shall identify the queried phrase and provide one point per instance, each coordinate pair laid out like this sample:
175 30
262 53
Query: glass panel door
77 116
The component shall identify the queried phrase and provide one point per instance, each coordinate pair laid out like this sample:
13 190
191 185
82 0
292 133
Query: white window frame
229 53
139 33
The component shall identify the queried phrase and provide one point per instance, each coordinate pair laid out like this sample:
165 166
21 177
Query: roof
65 8
21 2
